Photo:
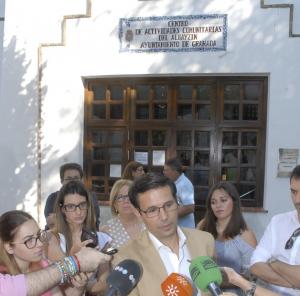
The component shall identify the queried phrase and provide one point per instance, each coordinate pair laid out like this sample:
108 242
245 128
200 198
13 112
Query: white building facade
52 49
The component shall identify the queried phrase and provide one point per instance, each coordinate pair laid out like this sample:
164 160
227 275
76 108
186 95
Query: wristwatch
251 291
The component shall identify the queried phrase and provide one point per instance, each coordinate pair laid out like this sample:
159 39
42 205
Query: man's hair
295 173
148 182
174 164
70 166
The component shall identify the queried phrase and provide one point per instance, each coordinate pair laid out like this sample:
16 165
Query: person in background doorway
133 170
68 172
234 241
126 223
185 192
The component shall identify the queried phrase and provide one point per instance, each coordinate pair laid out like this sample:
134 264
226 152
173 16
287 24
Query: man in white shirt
278 252
163 247
185 192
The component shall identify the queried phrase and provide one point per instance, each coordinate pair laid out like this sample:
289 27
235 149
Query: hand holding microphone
177 285
206 275
124 278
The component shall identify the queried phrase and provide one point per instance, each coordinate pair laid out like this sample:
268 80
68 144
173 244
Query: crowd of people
152 223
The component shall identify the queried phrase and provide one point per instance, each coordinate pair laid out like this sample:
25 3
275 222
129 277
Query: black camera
90 234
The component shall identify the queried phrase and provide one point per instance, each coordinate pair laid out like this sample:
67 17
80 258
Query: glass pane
111 183
232 92
141 138
116 111
230 138
252 91
116 92
184 111
248 174
159 138
201 178
249 156
201 159
247 191
185 157
116 138
249 138
185 92
98 186
230 156
201 193
99 111
142 92
160 92
203 92
203 111
202 139
98 170
98 153
99 137
99 92
229 174
160 111
142 111
115 154
250 112
184 138
231 111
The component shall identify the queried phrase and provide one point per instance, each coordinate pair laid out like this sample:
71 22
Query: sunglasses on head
290 242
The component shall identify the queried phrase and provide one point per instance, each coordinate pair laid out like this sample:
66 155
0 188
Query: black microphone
124 278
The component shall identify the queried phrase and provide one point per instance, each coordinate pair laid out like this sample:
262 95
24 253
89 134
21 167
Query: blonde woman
125 223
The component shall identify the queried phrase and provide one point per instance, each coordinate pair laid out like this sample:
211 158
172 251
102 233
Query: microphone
124 278
206 275
177 285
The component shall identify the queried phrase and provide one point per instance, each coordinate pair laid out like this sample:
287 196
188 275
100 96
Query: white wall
258 43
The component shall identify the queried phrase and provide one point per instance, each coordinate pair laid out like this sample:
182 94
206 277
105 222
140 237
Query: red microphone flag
176 285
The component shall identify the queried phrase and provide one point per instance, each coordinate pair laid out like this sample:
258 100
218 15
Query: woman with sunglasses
75 216
22 249
125 223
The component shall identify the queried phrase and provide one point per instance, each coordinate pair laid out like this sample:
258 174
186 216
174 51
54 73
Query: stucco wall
258 43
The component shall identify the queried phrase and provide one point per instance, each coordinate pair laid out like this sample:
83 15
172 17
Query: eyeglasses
72 207
169 206
140 169
69 179
290 242
122 198
30 243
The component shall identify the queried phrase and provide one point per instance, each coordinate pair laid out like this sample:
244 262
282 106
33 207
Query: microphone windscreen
125 276
176 284
204 271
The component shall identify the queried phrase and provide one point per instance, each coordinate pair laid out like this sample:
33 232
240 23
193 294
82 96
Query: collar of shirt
158 244
178 180
170 260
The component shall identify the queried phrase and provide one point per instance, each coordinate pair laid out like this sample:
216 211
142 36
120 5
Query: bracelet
68 267
251 291
77 262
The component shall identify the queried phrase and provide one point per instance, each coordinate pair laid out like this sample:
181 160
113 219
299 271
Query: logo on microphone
172 290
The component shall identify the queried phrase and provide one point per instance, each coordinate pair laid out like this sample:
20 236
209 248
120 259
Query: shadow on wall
18 144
